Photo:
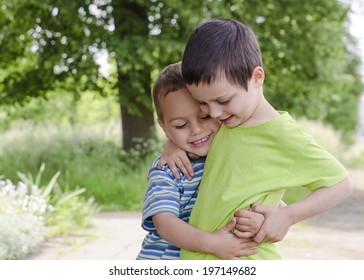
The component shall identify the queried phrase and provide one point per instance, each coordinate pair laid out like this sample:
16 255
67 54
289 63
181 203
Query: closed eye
180 126
206 117
224 102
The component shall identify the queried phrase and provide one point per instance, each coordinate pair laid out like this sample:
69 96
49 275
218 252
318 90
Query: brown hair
169 79
221 47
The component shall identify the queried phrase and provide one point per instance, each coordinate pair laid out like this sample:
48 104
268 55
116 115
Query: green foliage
61 107
88 156
311 68
48 49
70 211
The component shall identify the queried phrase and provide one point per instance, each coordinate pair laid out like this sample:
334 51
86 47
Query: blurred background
77 128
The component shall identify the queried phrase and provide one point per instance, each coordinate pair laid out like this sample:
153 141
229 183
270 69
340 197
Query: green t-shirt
258 163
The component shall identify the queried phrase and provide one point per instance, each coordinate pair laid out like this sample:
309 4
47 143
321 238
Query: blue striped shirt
165 194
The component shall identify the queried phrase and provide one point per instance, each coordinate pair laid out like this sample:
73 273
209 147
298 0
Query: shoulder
197 166
295 133
164 172
296 139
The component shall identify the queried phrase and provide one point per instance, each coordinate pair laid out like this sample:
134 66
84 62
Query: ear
161 124
258 76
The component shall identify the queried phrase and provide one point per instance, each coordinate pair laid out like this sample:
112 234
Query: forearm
181 234
319 201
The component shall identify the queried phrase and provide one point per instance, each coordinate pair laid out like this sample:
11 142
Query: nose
196 128
214 111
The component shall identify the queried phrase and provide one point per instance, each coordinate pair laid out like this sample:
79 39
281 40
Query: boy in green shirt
258 152
168 201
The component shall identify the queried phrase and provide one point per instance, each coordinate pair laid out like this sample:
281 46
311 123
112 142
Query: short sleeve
314 167
162 196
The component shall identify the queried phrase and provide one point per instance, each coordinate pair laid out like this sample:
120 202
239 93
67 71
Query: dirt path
335 234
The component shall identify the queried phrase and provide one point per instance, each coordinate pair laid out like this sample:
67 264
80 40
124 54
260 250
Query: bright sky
357 28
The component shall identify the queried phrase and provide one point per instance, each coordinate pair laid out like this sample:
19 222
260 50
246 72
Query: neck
262 113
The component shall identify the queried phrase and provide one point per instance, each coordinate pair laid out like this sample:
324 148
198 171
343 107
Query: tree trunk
136 127
134 81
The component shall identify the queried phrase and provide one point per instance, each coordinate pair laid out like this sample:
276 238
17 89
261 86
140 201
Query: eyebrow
176 119
225 96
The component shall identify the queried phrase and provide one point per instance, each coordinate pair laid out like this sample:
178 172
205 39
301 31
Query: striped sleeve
162 196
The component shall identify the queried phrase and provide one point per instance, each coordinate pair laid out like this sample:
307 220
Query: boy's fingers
178 162
242 214
186 168
248 252
243 228
242 221
187 164
174 170
243 234
259 237
229 227
161 163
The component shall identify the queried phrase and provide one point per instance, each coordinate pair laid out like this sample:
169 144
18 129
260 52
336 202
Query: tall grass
87 157
82 140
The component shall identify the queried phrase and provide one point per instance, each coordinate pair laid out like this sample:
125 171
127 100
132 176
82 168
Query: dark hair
169 79
221 47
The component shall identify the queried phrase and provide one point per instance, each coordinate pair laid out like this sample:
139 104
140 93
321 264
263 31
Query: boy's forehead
179 104
212 91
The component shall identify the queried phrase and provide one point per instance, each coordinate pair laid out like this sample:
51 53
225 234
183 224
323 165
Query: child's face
231 104
185 124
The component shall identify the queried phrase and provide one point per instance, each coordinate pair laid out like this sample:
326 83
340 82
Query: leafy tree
49 44
52 44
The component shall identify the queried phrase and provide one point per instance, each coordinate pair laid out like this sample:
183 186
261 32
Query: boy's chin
196 154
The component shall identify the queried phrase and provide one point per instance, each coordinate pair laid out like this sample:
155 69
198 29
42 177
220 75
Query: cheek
178 136
214 125
205 109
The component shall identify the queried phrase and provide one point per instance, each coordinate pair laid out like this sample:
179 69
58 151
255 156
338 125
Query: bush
20 235
22 212
29 213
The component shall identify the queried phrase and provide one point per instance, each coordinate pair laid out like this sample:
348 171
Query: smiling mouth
227 119
202 140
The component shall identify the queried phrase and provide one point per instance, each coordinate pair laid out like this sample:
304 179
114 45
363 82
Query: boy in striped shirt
168 201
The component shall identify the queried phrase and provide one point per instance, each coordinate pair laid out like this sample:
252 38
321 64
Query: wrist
291 214
208 244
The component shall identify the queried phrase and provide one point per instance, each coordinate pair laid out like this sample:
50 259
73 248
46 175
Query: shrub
70 211
22 211
29 213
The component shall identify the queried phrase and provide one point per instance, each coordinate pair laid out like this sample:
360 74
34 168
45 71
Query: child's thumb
230 225
258 208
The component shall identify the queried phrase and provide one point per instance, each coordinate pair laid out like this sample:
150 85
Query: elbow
347 186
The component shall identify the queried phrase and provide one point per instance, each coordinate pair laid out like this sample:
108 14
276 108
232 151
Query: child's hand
248 223
175 157
276 223
227 246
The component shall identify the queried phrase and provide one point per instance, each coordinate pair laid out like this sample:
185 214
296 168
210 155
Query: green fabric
258 163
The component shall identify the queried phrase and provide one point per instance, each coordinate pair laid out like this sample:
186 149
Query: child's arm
278 220
220 243
175 157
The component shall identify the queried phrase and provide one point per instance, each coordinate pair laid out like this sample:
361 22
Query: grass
87 157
